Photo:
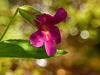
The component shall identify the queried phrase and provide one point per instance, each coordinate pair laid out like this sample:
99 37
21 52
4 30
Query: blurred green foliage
80 37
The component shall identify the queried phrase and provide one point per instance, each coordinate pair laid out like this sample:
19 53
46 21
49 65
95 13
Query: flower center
44 28
46 31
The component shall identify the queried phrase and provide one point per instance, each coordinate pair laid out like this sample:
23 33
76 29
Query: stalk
9 24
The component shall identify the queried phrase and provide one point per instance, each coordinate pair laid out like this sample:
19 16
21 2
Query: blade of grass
9 24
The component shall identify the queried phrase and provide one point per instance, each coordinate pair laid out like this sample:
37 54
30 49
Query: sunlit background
80 34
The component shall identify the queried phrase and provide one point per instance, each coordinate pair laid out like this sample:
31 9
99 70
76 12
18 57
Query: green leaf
29 13
23 49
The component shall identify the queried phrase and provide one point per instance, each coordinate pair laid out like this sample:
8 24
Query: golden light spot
61 72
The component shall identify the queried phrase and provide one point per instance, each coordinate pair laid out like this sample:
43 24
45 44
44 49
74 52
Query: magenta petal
38 17
55 33
41 18
50 47
48 17
37 23
60 15
37 38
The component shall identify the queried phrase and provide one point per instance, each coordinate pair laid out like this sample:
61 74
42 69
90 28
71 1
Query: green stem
9 24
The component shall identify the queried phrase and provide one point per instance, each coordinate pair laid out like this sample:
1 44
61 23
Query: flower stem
9 24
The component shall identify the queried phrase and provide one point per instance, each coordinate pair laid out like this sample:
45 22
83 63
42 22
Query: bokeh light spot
74 31
84 34
41 62
61 72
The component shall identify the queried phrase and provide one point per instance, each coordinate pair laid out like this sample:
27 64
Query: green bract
29 13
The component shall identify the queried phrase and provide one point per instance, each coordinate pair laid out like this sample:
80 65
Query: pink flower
47 31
